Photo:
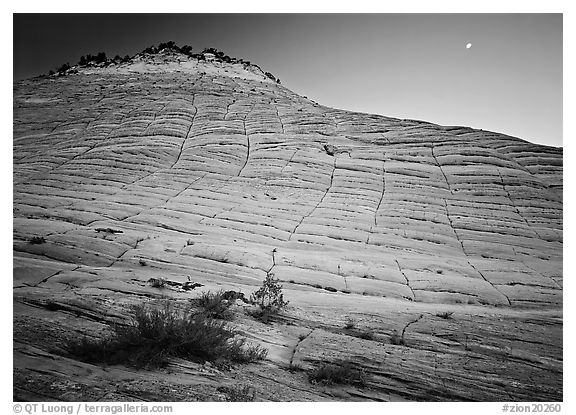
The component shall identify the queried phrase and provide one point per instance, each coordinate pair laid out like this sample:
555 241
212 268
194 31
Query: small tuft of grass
397 339
364 334
157 282
338 372
350 323
37 240
159 332
214 305
445 315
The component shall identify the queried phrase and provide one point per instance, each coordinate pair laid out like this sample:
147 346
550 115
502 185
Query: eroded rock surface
211 172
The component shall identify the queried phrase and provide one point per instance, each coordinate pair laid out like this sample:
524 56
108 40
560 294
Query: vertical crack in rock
406 278
279 119
515 206
409 324
379 203
165 201
458 237
273 262
247 141
489 282
289 161
228 108
441 169
318 204
298 344
187 133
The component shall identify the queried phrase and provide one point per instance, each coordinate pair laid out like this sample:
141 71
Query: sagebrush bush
37 240
338 372
214 305
238 393
159 332
445 315
397 339
350 323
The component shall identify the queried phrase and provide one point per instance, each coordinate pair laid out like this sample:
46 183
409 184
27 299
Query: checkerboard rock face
212 172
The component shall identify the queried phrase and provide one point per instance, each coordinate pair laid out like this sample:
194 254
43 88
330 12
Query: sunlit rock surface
213 172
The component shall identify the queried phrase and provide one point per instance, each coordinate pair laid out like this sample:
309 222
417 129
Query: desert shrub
168 45
338 372
397 339
150 49
157 282
37 240
186 50
62 69
364 334
158 332
350 323
214 305
238 393
268 298
445 315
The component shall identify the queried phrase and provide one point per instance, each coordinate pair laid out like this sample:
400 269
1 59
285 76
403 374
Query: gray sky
400 65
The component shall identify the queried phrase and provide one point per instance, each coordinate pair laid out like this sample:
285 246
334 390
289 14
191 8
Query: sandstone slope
170 167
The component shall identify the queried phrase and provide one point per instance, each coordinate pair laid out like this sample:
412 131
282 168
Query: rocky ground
213 173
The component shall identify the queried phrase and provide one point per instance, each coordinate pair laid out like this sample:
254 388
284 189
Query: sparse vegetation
238 393
37 240
63 68
157 282
100 59
445 315
214 305
364 334
338 372
397 339
159 332
350 323
268 298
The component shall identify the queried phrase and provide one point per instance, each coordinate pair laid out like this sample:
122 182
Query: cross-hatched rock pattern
214 172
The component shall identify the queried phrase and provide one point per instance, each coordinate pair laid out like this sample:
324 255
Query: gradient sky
401 65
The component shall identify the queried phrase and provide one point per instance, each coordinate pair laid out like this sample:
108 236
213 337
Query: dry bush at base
214 305
445 315
338 372
238 394
159 332
350 323
397 339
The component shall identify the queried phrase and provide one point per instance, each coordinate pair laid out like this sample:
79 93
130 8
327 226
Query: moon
468 45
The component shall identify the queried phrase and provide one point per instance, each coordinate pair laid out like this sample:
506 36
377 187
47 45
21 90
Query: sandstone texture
169 167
